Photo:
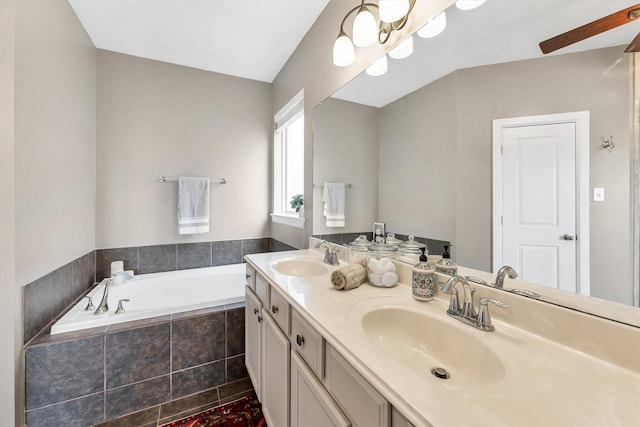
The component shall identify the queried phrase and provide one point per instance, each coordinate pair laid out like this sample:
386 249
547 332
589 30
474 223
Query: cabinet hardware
255 311
259 319
274 309
300 340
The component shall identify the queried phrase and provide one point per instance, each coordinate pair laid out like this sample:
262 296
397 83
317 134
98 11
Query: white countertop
544 383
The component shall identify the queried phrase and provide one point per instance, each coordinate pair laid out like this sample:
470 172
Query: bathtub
159 294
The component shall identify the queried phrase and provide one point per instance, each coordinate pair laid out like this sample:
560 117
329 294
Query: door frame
581 121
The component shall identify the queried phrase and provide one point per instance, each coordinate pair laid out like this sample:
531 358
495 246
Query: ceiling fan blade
634 46
591 29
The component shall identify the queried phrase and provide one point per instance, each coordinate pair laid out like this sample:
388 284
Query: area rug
245 412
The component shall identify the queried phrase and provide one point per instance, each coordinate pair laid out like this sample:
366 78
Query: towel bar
174 179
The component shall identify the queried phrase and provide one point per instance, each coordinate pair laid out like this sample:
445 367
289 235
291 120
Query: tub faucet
504 270
330 253
103 306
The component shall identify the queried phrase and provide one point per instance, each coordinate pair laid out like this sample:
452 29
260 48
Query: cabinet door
253 338
362 403
311 405
275 373
251 277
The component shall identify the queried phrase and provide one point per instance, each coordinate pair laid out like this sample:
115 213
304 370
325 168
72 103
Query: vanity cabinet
275 373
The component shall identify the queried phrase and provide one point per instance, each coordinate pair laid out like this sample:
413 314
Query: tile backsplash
47 297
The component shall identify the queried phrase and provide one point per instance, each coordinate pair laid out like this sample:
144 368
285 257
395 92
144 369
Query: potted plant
297 203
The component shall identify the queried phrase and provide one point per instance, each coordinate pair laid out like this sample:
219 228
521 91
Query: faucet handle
484 318
89 304
120 308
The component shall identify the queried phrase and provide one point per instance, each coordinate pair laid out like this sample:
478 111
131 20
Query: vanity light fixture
404 49
366 30
469 4
378 68
434 26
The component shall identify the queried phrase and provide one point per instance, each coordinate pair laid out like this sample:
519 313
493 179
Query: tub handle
120 308
274 309
89 306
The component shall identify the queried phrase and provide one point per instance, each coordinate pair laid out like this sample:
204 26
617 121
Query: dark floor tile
195 401
158 258
226 252
58 372
234 388
137 354
196 379
198 340
135 397
194 255
236 368
256 246
147 417
235 332
104 258
86 411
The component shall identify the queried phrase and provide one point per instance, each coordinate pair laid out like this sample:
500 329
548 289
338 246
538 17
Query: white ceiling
254 38
244 38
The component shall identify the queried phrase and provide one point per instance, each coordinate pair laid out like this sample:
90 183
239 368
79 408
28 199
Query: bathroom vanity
364 357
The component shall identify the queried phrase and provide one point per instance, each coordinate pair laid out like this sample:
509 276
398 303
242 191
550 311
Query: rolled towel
389 279
348 277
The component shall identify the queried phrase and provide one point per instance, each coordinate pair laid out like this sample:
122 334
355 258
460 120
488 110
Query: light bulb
434 27
404 49
378 68
469 4
365 28
393 10
344 53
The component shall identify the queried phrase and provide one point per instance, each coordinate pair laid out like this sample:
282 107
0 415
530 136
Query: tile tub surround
102 374
47 298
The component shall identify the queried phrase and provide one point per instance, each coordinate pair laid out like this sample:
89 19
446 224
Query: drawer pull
299 340
247 275
274 309
255 311
259 319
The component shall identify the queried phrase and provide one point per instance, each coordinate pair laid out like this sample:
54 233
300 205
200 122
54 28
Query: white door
536 220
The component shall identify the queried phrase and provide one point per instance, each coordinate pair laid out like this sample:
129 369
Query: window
288 155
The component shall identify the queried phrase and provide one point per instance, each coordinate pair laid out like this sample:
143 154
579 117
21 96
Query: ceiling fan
596 27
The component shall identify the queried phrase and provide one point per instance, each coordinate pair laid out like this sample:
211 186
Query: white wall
10 333
158 119
55 131
345 149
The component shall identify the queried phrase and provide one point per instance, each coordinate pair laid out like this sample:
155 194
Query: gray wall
345 138
158 119
55 131
455 127
10 313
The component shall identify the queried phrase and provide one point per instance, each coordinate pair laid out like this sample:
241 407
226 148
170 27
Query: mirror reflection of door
539 190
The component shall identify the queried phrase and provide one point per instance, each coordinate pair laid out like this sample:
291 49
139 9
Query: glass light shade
469 4
434 27
404 49
365 28
344 53
378 68
392 10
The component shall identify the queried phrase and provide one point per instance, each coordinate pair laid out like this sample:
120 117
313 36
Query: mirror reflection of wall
434 145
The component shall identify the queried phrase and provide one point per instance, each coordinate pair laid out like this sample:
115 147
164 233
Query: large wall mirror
416 143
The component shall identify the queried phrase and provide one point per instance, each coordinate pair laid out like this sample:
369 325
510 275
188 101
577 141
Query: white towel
193 205
333 197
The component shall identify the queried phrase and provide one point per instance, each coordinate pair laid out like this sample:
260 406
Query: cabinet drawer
251 277
279 310
307 342
262 290
364 406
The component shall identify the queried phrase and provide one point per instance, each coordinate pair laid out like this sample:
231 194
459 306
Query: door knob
568 237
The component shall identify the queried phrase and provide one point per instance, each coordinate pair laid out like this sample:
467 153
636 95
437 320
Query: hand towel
348 277
333 197
193 205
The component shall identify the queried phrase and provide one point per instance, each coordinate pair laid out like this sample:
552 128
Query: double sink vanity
369 356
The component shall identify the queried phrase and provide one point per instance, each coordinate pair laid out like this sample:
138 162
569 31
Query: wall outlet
379 231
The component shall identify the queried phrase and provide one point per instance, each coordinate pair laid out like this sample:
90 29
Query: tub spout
103 307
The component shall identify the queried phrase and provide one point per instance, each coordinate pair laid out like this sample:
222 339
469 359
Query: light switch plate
598 194
379 230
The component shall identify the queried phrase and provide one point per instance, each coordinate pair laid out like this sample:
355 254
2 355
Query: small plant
297 202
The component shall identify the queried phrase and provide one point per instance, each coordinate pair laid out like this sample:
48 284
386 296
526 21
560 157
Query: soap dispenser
446 264
422 279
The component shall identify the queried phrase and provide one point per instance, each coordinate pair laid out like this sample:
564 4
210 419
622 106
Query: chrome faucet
466 312
103 306
504 270
330 253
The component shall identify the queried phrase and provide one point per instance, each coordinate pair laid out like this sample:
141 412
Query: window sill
289 220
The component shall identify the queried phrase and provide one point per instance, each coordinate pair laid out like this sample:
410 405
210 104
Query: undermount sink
300 267
424 342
